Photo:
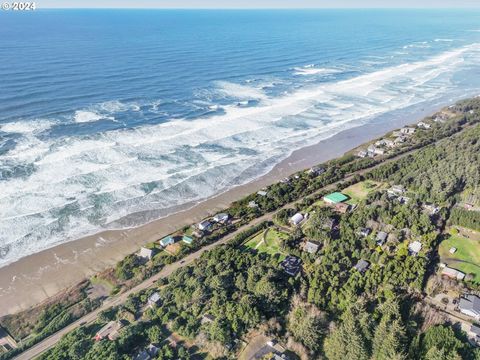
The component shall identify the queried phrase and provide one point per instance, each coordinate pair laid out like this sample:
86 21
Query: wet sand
37 277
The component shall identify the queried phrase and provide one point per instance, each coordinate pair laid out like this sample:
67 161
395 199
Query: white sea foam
81 184
312 70
443 40
26 127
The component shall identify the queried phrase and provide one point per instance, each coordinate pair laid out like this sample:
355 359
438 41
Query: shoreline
37 277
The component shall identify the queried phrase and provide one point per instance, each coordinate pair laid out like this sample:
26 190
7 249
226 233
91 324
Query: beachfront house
311 247
381 238
145 253
362 266
187 239
470 306
316 170
262 193
424 125
453 273
414 248
296 219
335 198
204 225
252 205
221 218
167 240
399 140
407 130
362 154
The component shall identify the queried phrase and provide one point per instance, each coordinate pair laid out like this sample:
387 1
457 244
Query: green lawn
272 243
467 256
359 191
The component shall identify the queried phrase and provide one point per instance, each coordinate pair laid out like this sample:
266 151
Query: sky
256 3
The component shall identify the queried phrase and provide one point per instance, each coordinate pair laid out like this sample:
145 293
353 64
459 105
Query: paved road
50 341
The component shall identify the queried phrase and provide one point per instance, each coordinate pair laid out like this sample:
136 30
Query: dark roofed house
204 225
381 238
272 350
365 231
475 330
470 306
291 265
315 171
311 247
142 355
362 266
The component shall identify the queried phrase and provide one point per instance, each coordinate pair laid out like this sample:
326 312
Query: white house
154 299
415 247
221 218
407 130
296 219
470 306
145 253
262 193
424 125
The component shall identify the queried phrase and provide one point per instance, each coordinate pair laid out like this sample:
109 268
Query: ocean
109 113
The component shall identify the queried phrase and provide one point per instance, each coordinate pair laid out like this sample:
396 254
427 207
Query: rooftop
336 197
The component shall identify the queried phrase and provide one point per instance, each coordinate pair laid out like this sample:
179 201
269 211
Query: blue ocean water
106 113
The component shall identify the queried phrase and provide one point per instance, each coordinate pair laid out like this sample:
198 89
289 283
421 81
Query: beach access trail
50 341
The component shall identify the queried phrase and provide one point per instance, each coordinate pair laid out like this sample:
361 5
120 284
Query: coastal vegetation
331 308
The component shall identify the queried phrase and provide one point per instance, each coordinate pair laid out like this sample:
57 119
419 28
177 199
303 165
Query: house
407 130
470 306
424 125
109 331
362 266
315 171
403 199
342 208
187 239
252 205
399 140
272 350
168 240
142 355
221 218
364 231
430 208
379 151
329 224
380 142
296 219
453 273
154 299
362 154
145 253
381 238
311 247
7 342
291 265
204 225
371 149
397 133
152 350
389 143
414 248
335 198
452 250
262 193
207 318
396 190
475 332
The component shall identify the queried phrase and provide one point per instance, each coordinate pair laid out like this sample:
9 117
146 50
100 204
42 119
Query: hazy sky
254 3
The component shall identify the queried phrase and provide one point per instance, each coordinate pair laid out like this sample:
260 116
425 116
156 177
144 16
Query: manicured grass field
467 256
268 241
360 190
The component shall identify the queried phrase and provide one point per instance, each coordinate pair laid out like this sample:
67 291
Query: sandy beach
36 277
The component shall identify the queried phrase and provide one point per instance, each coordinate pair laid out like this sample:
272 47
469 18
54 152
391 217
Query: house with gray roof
470 306
311 247
362 266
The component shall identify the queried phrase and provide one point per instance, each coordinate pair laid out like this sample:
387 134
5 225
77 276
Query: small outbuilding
296 219
335 198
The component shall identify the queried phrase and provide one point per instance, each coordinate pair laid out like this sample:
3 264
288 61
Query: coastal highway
50 341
